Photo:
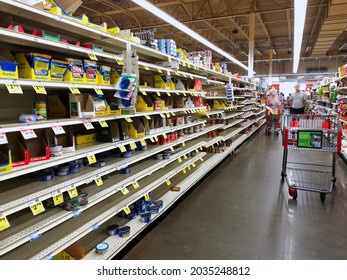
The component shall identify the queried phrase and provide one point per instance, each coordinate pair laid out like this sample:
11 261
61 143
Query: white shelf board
214 141
214 97
233 123
177 92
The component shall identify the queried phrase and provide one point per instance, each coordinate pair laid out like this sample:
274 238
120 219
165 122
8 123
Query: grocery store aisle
243 211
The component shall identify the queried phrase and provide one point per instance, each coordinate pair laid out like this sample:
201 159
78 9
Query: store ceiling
226 23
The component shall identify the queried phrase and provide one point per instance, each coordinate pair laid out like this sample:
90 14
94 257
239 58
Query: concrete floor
242 211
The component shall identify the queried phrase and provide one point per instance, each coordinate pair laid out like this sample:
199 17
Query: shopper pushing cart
314 133
273 113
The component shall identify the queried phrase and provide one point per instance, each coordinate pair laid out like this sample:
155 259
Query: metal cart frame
321 133
273 119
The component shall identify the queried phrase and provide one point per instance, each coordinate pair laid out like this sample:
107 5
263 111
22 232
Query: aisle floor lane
242 211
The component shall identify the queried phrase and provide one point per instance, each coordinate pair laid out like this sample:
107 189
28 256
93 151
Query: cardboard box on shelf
103 75
19 154
179 85
8 65
86 138
34 66
5 159
146 125
101 107
178 101
90 71
41 4
159 104
81 105
123 130
162 82
159 124
168 102
68 6
144 103
136 129
55 107
58 69
75 71
38 147
110 133
114 76
67 140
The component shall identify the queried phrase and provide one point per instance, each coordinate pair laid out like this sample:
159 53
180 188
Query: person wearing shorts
297 101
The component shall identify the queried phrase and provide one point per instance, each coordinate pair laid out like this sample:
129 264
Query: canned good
159 203
46 177
112 229
101 163
124 231
101 248
154 209
27 118
146 217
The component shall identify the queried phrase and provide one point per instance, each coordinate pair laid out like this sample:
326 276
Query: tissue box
34 66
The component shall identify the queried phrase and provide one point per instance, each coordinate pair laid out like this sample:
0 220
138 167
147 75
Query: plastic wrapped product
71 204
100 163
83 198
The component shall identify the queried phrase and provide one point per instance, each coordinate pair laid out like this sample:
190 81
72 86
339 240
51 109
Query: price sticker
183 63
168 94
193 164
185 156
143 143
39 89
168 115
184 171
177 74
201 159
14 88
3 222
91 158
136 185
98 91
147 117
169 59
196 150
162 115
191 77
127 210
122 149
92 56
143 92
152 139
183 144
147 68
172 149
172 113
185 75
165 136
119 62
177 92
188 64
36 234
57 198
3 138
133 145
189 168
28 133
184 94
156 138
195 68
146 196
168 73
98 181
129 120
158 93
103 123
124 191
58 130
72 192
74 90
179 160
208 116
88 125
168 182
159 70
36 207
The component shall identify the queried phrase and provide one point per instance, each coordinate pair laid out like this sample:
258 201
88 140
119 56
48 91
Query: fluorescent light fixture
300 7
166 17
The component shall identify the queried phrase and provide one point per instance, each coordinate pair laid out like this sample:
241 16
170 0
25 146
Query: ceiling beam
289 26
225 35
185 8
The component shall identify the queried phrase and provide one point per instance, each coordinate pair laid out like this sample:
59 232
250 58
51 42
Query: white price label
3 138
58 130
14 88
28 133
88 125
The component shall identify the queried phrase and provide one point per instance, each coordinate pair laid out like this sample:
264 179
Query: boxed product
162 82
168 101
8 65
66 140
189 103
93 47
68 6
19 154
136 129
103 75
144 103
5 159
113 105
34 66
179 85
55 107
38 147
101 107
86 138
197 85
159 104
81 105
58 69
114 76
123 130
75 71
110 133
90 70
45 35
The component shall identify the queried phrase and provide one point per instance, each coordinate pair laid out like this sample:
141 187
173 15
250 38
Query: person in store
297 101
273 99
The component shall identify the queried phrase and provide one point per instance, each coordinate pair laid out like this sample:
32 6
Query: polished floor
242 211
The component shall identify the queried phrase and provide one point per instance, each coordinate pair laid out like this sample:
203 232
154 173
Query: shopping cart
310 133
273 119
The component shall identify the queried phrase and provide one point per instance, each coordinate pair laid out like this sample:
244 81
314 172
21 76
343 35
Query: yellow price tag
168 73
193 164
185 75
127 210
168 94
196 150
74 90
146 197
119 62
72 192
184 171
39 89
158 93
128 119
58 199
177 74
177 92
4 223
91 158
208 116
98 91
162 115
188 64
14 88
133 146
172 113
92 56
103 123
189 167
159 70
184 94
143 92
147 68
147 117
152 139
183 144
136 185
164 135
169 59
185 156
124 191
37 208
122 149
168 182
191 77
98 181
172 149
156 138
183 63
143 143
168 115
179 160
201 159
